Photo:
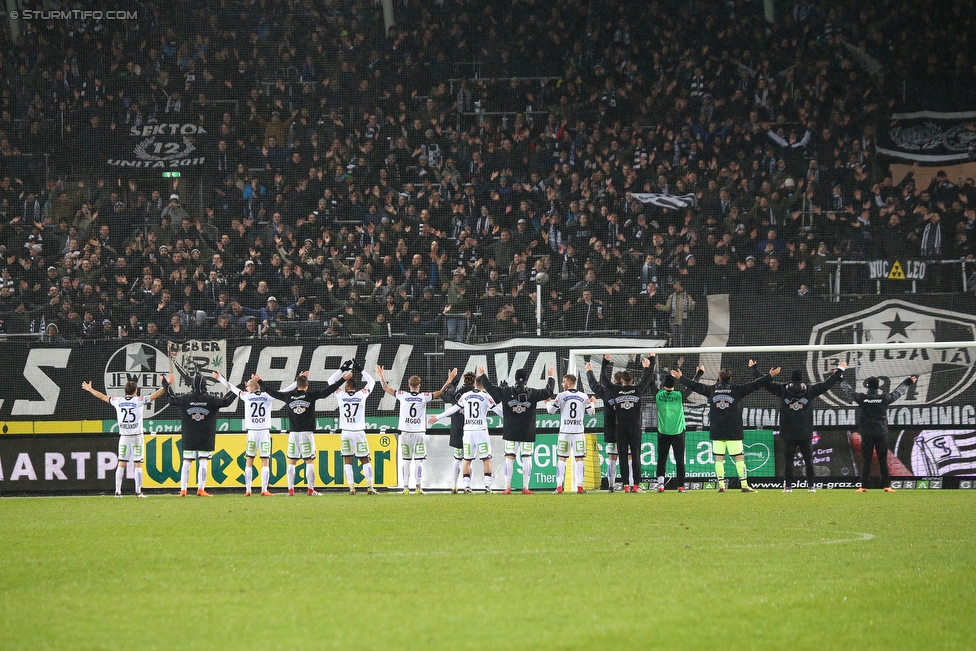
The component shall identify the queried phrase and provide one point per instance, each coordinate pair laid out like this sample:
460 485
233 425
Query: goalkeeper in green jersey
671 428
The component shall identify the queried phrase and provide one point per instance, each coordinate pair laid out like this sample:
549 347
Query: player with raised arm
671 428
456 439
129 410
571 404
257 422
609 417
873 425
796 418
300 400
352 422
475 404
725 415
198 423
625 401
519 404
412 425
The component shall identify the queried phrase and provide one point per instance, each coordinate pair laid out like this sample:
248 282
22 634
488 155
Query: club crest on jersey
140 363
722 401
898 322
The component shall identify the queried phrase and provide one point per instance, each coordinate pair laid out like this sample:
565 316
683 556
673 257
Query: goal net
944 370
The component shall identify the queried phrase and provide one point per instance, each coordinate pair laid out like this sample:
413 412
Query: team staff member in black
198 418
625 400
873 425
725 414
518 427
609 418
796 418
451 396
300 400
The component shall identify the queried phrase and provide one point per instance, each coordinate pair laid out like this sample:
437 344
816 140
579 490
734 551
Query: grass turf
833 570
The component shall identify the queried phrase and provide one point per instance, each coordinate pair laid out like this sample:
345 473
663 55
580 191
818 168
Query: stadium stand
338 180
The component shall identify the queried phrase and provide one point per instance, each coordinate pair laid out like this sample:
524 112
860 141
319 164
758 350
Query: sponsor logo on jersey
896 321
141 363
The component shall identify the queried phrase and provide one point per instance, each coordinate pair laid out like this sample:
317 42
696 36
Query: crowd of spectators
358 182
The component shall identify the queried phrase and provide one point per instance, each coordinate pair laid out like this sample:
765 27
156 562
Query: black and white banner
171 146
930 136
672 201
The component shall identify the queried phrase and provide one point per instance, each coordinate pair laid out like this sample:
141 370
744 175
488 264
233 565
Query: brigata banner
42 392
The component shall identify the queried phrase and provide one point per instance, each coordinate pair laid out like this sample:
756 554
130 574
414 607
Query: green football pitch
831 570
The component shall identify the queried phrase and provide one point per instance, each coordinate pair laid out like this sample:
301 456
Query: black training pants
868 445
790 446
629 443
665 443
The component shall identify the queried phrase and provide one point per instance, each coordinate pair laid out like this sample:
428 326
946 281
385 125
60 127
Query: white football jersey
352 406
129 411
474 405
257 407
413 410
571 405
257 410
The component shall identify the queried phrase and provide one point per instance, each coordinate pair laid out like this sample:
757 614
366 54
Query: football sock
185 475
350 478
265 477
309 475
526 471
720 469
248 478
660 481
368 471
201 474
455 473
405 473
420 471
291 476
466 482
509 468
138 474
580 469
119 475
612 471
487 481
740 469
560 472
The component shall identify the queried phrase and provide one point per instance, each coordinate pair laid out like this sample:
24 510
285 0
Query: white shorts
519 448
132 448
611 448
413 445
476 445
354 444
258 444
571 445
301 445
193 455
